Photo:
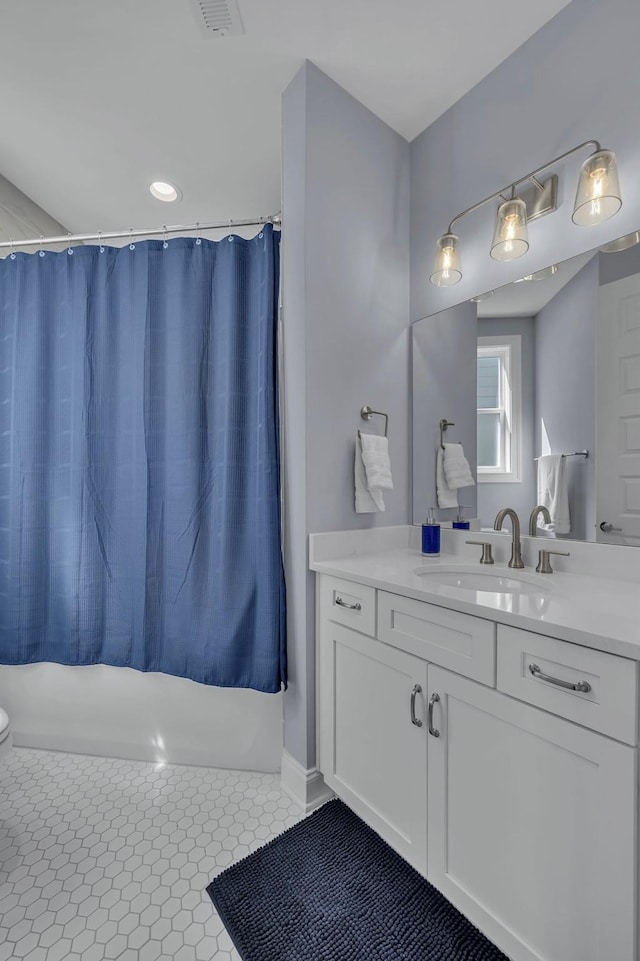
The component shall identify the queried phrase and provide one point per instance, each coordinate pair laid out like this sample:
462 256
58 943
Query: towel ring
366 413
444 423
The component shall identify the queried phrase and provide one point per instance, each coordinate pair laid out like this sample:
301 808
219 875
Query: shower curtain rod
275 219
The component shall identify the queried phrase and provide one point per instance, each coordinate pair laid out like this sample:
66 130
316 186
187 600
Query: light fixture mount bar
528 177
541 198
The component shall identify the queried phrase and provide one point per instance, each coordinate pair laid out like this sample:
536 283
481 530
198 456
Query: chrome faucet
533 519
516 547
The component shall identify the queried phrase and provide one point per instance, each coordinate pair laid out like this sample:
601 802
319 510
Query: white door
618 413
373 754
531 826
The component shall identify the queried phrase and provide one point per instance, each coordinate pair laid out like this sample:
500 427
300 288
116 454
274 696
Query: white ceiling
102 96
527 299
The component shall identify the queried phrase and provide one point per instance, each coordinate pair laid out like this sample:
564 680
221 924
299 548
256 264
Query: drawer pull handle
415 720
583 687
350 607
434 699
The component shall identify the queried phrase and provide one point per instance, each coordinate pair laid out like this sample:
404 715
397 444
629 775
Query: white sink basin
483 582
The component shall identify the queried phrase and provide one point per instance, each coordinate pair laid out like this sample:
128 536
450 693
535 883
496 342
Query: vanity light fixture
165 191
598 197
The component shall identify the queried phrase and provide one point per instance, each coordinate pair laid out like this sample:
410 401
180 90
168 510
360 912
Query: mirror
549 365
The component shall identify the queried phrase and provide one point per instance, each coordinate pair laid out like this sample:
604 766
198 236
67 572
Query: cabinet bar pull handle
609 528
434 699
351 607
583 687
415 720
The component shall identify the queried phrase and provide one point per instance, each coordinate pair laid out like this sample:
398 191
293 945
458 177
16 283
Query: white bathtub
118 712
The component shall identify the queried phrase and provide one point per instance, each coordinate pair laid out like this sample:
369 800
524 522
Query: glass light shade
622 243
539 274
446 269
482 297
598 195
510 236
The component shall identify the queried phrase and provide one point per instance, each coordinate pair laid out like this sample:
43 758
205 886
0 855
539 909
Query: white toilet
5 734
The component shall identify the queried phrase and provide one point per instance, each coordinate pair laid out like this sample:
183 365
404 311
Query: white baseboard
304 785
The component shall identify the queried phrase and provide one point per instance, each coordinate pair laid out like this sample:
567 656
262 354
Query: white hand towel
446 497
367 502
553 493
456 467
375 457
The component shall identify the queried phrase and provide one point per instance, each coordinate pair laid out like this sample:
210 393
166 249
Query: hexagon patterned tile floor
108 859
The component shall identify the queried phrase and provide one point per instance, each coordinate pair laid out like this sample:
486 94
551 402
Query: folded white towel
446 497
367 502
456 467
553 493
375 457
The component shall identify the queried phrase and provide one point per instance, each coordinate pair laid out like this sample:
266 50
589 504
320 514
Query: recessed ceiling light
162 190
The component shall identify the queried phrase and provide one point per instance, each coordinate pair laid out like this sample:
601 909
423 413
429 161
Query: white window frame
509 348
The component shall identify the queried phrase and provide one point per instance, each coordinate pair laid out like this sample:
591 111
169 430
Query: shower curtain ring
100 241
198 241
165 242
69 248
132 246
12 254
41 251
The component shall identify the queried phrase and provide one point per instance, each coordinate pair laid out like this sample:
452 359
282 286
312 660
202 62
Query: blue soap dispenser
460 524
431 536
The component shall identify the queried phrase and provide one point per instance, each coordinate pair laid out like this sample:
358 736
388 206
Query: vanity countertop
593 611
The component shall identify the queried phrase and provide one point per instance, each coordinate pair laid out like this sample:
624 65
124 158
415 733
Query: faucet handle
487 557
544 564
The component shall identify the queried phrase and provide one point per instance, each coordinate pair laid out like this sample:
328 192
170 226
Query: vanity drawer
459 642
610 703
349 603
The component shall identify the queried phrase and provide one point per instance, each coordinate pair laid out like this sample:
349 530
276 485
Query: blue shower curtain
139 465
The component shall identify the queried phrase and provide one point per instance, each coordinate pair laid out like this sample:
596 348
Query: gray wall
565 388
522 496
346 337
444 350
617 266
577 78
22 219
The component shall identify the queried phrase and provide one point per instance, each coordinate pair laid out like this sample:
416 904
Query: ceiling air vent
220 18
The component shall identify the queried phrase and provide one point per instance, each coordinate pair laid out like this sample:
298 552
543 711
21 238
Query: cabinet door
372 754
531 826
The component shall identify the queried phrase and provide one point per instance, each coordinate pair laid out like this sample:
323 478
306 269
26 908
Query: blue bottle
431 536
460 524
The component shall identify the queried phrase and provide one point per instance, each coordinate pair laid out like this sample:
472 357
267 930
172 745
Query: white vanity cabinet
372 731
531 826
519 802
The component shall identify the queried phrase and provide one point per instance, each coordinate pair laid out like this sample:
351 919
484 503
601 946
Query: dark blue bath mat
329 889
